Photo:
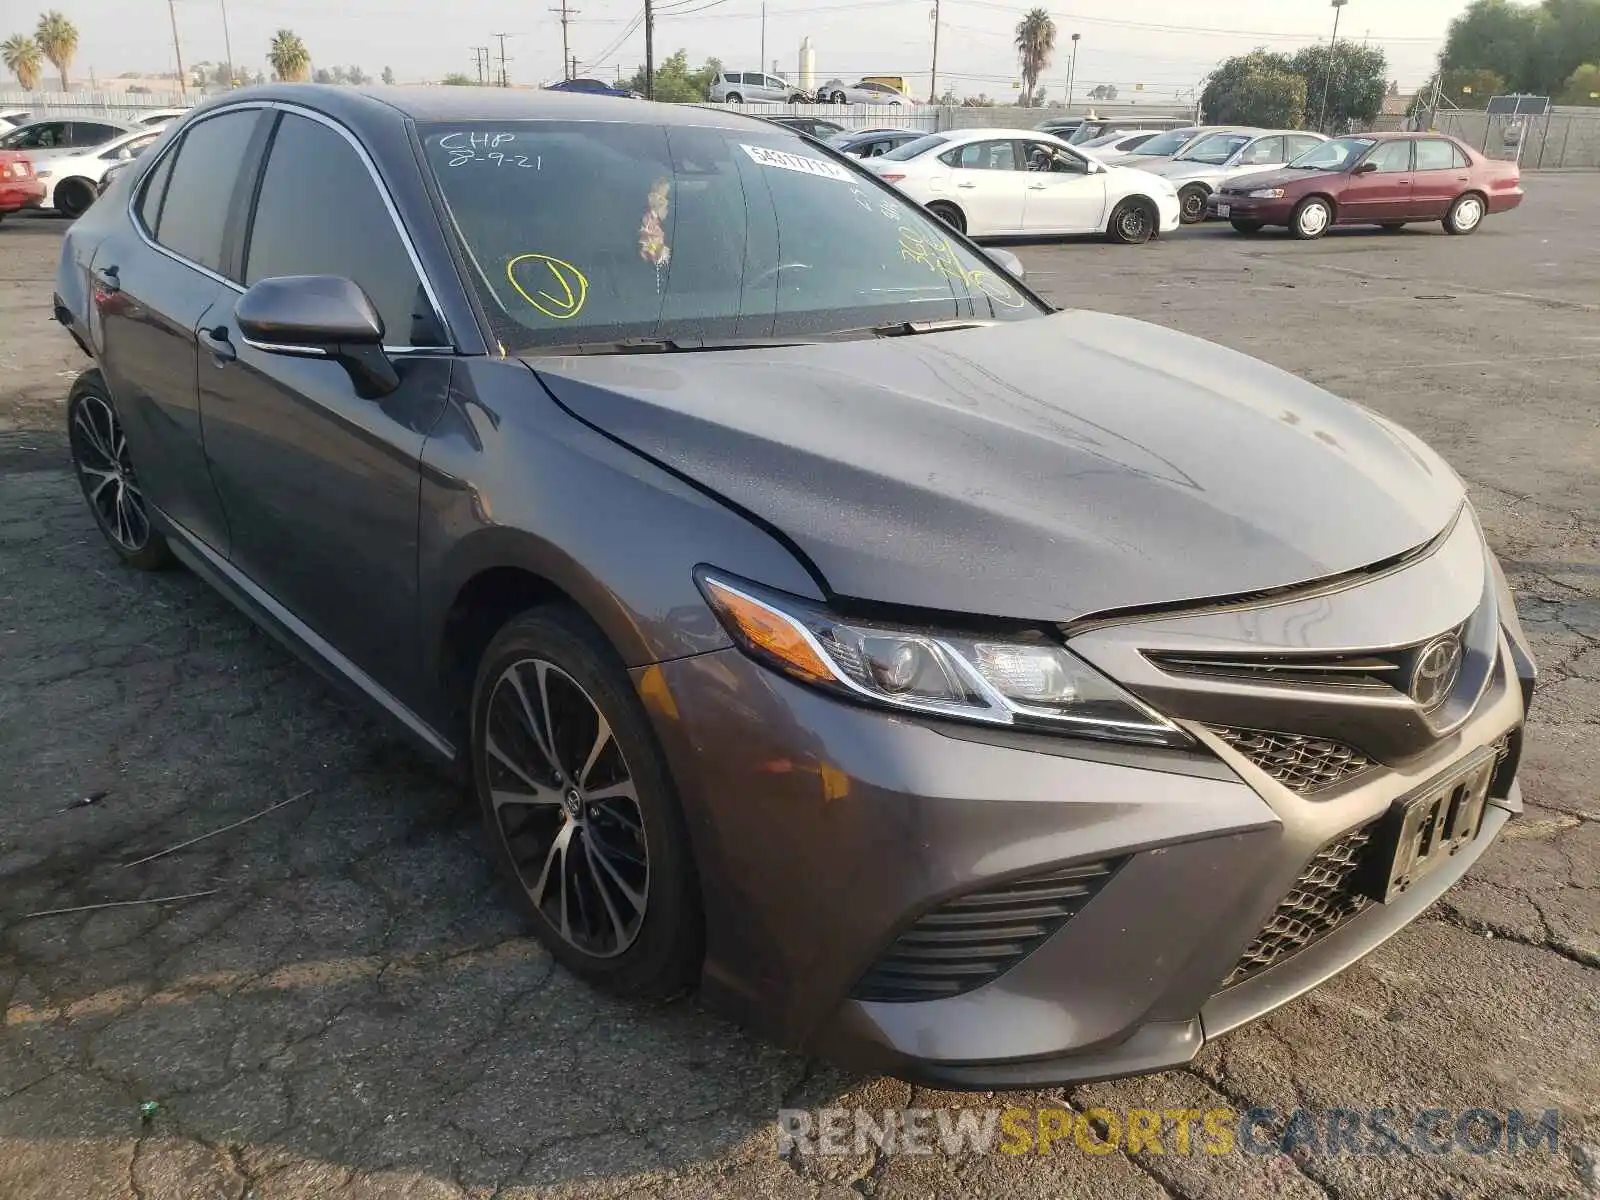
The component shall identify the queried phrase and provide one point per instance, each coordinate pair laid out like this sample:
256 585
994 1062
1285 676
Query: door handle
966 185
217 342
1036 187
108 278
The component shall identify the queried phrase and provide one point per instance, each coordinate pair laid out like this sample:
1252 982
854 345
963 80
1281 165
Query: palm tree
22 58
58 40
290 59
1036 41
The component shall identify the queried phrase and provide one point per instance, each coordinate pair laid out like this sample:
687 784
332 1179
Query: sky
1164 45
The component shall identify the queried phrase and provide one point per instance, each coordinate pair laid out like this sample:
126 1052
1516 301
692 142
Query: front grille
1304 764
964 943
1385 671
1323 898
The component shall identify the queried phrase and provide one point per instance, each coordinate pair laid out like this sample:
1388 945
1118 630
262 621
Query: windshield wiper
640 345
910 328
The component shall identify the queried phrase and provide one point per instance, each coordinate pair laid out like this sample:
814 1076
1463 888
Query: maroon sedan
19 187
1384 179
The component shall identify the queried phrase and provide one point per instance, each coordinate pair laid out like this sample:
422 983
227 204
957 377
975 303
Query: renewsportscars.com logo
1018 1131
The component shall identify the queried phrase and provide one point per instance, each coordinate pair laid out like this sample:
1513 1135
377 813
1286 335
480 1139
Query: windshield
1105 139
1216 149
915 147
597 231
1167 143
1335 155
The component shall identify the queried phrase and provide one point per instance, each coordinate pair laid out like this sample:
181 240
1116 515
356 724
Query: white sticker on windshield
785 161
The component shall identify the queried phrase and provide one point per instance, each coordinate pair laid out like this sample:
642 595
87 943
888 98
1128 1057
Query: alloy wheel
566 807
100 452
1133 223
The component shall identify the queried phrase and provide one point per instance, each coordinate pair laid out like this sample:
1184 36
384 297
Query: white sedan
72 179
988 182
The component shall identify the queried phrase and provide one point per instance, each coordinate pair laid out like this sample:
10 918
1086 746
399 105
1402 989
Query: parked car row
68 159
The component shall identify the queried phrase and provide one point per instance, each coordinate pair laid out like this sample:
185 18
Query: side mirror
1366 168
319 316
1009 261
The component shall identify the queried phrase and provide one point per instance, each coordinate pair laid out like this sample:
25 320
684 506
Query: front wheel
838 98
1192 203
579 808
733 98
1311 219
1465 215
1243 226
1133 223
104 467
73 198
950 215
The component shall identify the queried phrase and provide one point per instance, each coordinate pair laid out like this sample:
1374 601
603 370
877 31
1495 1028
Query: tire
1392 226
1133 222
104 469
798 98
627 917
1241 225
733 98
949 214
1311 219
838 98
1192 203
73 198
1465 215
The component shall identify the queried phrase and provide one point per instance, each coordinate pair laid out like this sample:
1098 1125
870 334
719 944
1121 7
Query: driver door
1064 194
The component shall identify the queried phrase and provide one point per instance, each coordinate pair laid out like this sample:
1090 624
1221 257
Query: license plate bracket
1224 210
1428 828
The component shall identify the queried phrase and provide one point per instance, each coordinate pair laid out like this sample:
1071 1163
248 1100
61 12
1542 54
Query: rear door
321 486
989 184
1383 194
1062 194
1440 174
155 286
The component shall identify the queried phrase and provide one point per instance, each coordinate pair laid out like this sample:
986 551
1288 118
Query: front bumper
1171 212
1268 212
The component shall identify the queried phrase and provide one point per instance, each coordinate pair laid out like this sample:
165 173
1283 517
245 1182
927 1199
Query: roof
449 103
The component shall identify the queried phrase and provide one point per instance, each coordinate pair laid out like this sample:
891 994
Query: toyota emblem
1438 667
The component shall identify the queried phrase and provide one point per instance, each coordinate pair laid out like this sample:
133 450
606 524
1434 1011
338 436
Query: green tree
1583 86
58 41
1354 79
1535 48
675 83
1036 42
1259 88
1469 87
388 76
291 61
357 76
23 59
1104 91
456 79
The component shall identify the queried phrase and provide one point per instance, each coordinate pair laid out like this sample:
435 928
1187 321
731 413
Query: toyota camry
965 689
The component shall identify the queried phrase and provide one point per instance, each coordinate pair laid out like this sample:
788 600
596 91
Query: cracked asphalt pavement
348 1010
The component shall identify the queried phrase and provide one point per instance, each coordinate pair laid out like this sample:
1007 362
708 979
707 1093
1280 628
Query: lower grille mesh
964 943
1323 898
1305 764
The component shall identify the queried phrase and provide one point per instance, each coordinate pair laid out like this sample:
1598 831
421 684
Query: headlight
1021 680
1267 194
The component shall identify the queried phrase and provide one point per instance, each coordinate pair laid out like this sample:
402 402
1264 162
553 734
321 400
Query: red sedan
19 187
1384 179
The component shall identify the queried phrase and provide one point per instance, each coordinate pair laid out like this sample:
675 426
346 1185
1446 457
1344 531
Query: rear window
911 149
591 231
1167 143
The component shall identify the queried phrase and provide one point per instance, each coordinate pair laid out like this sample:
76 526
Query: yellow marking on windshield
572 283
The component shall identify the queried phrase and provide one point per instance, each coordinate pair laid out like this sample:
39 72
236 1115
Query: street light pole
227 42
1072 71
933 84
1327 77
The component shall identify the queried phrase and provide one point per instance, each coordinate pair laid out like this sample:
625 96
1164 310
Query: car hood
1043 469
1280 178
1175 169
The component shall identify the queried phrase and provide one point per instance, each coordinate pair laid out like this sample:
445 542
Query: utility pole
933 81
227 42
505 80
763 59
567 60
480 60
649 51
183 84
1072 71
1327 78
573 67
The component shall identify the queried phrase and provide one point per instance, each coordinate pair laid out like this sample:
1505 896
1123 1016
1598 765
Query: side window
92 133
1462 162
49 136
1435 156
129 150
320 213
1266 150
200 190
775 83
750 77
984 156
1392 158
155 189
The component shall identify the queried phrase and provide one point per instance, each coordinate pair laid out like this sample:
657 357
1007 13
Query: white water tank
808 66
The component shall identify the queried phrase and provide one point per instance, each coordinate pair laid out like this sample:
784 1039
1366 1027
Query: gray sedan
836 91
